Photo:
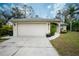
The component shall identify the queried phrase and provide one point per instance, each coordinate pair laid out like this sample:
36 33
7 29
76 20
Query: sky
44 10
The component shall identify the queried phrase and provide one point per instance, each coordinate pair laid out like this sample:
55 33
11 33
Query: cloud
51 12
49 6
57 7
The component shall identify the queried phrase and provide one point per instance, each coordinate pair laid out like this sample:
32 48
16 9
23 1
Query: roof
64 24
34 20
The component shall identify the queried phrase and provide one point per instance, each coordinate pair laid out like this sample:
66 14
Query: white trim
15 29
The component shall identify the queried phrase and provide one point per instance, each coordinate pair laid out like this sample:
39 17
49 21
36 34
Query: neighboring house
33 26
63 27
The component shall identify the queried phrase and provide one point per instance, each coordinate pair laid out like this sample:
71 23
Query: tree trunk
70 25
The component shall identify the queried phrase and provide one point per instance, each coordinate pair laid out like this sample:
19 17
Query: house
63 27
33 26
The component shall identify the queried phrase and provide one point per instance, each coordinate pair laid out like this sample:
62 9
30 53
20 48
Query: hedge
53 28
6 30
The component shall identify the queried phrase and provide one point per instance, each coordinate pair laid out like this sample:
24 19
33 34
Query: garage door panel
32 29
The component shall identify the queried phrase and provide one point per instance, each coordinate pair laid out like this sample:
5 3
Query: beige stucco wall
15 30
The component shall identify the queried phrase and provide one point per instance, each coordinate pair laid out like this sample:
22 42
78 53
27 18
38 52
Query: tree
72 11
59 15
36 16
24 11
70 14
65 14
29 12
16 12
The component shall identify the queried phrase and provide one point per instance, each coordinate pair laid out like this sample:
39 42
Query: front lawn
67 44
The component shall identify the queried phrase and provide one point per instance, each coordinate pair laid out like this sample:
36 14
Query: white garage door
32 29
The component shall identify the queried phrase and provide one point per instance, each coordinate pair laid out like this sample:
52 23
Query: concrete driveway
27 46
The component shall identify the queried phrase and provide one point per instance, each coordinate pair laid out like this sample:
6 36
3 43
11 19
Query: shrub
6 30
53 29
75 26
1 22
7 27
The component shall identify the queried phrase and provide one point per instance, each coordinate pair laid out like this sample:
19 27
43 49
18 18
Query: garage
32 26
32 29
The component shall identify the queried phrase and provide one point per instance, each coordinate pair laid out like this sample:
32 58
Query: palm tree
70 14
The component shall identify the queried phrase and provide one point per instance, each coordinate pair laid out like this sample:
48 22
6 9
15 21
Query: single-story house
63 27
33 26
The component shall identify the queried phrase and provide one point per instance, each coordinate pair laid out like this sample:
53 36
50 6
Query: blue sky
44 10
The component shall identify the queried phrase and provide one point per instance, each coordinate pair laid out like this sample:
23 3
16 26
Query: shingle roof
35 20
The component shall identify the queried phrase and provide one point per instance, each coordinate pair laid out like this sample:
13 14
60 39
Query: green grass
67 44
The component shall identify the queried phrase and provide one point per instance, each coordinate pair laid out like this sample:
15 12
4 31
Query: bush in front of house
53 28
1 23
6 30
75 26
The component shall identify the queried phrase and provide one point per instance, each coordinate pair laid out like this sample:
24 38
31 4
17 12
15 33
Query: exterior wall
63 28
48 27
15 29
58 28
